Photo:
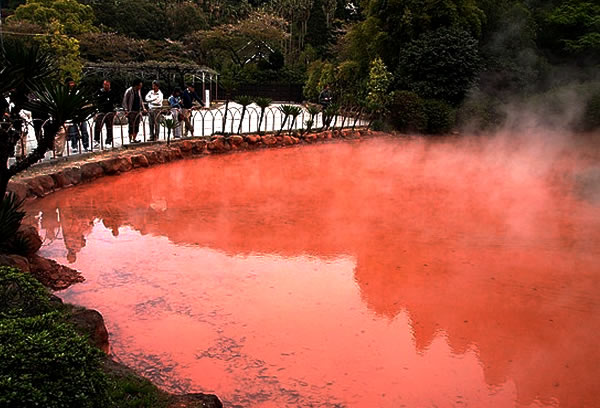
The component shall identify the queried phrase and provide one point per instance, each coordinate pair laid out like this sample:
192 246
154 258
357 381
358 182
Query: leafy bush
407 112
319 74
22 295
441 64
135 392
480 112
591 114
45 363
440 116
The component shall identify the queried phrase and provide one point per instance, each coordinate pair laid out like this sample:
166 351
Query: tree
349 86
512 63
25 71
73 17
263 103
150 19
391 24
573 28
257 35
243 100
296 13
441 64
59 22
378 84
311 87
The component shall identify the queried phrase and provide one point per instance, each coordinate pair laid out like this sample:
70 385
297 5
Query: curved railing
94 135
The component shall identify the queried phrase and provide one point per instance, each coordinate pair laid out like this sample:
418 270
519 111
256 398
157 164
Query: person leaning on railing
188 98
175 105
133 104
106 100
77 130
154 98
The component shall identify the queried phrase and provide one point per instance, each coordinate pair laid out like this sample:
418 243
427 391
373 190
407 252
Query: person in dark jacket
188 98
106 99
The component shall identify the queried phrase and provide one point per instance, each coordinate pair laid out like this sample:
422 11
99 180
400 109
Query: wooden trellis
176 73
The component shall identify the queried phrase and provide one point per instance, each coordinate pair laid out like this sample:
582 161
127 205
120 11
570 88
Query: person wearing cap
133 104
187 100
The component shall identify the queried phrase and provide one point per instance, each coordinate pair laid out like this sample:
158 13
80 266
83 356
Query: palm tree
11 215
328 114
169 123
263 104
294 112
286 110
313 111
229 83
29 71
243 100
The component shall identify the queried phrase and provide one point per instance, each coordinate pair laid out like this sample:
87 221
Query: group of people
134 106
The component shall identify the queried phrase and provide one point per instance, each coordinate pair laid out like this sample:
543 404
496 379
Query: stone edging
40 181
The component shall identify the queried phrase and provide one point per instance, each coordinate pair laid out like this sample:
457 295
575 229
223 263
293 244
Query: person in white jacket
154 98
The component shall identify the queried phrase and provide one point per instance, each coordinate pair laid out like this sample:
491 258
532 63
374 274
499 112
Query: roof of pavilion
149 68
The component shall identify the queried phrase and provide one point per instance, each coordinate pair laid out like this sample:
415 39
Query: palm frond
11 216
25 67
263 102
243 100
61 102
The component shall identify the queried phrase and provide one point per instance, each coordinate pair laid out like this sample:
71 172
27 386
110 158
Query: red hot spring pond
382 273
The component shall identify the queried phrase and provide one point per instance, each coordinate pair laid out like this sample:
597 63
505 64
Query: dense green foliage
440 64
21 294
591 114
440 116
46 363
475 55
128 391
408 112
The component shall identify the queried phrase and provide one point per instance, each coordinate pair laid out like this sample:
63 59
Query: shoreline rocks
39 181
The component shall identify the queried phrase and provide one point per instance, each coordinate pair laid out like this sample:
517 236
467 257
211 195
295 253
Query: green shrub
22 295
591 114
311 87
136 392
45 363
440 116
440 64
480 112
407 112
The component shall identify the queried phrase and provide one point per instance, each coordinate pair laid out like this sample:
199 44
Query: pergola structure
159 69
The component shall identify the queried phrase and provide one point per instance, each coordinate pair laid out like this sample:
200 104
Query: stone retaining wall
39 181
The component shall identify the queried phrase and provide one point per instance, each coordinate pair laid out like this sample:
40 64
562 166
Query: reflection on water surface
379 274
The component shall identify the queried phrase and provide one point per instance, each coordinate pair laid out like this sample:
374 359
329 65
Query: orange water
385 273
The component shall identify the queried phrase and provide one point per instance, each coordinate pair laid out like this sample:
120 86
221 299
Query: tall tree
240 43
572 30
60 21
390 24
